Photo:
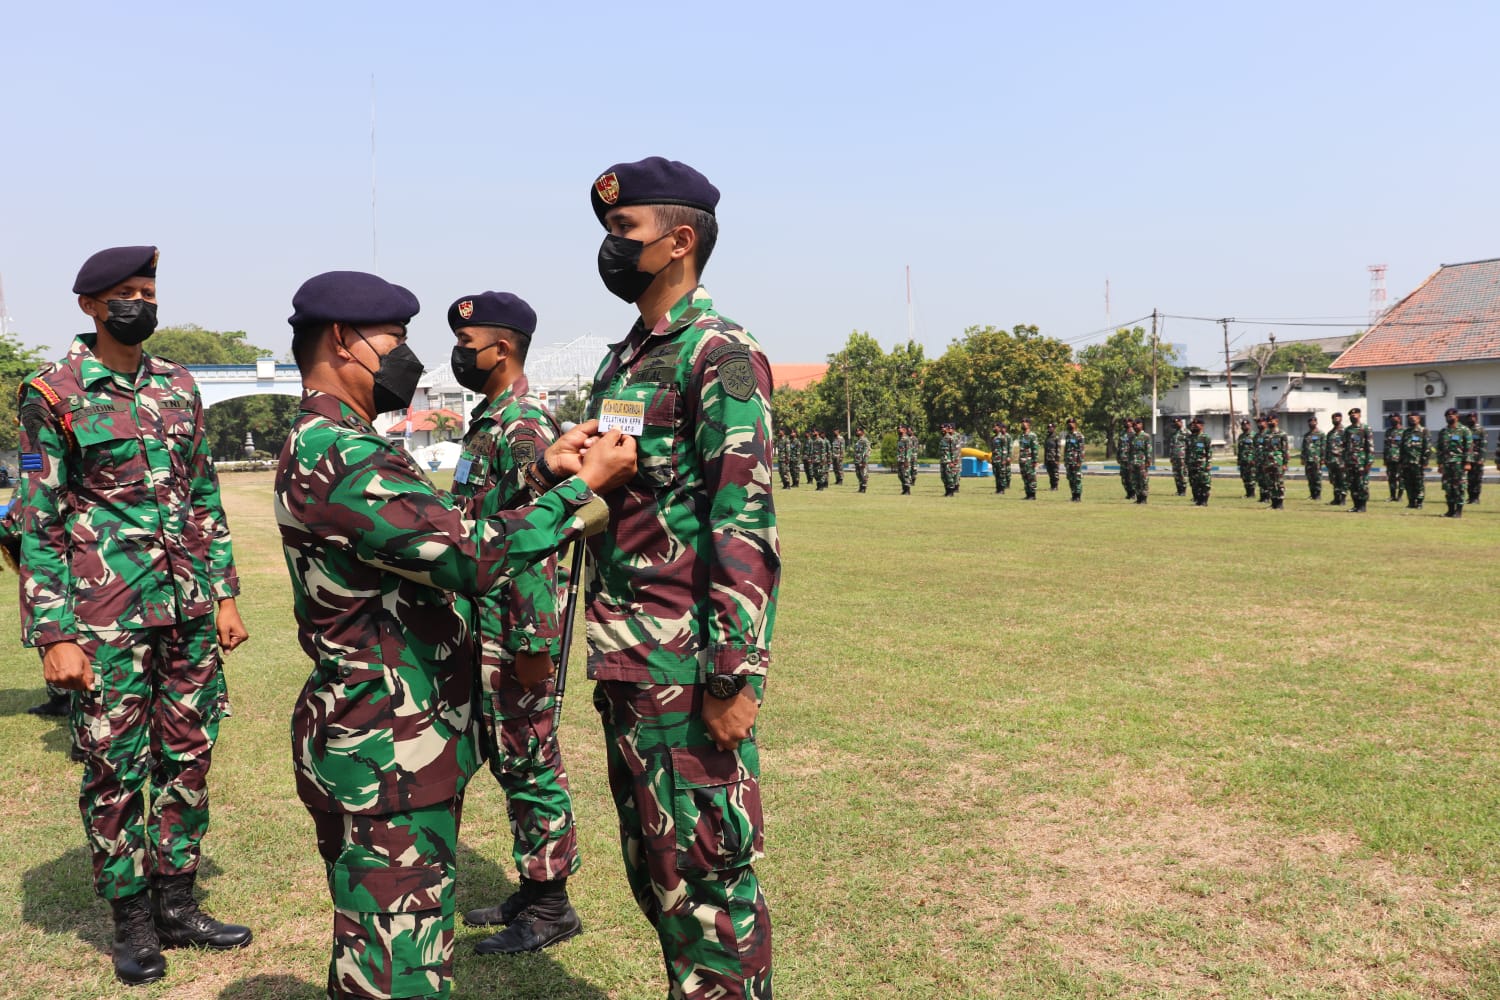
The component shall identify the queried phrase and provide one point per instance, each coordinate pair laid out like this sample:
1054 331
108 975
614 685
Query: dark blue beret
493 309
652 181
351 297
107 268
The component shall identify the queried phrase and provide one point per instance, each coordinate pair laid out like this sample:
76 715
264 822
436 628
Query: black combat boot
1458 510
180 921
905 490
137 952
1276 504
503 913
55 705
547 919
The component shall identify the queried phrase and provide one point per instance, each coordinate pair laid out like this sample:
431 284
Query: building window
1488 408
1404 406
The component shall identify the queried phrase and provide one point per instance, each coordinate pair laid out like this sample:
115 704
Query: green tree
1120 369
267 418
572 407
1299 358
798 409
865 387
443 426
192 345
16 362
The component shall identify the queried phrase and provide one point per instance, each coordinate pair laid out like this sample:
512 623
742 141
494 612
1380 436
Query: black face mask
131 321
397 377
466 371
619 266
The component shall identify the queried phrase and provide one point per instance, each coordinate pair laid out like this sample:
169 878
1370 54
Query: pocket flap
403 889
706 767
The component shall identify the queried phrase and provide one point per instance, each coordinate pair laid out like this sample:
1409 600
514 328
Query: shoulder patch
33 418
737 376
523 451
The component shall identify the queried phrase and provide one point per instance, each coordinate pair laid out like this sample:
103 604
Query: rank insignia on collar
466 309
608 187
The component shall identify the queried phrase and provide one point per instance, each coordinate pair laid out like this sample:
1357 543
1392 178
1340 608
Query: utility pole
848 405
1153 374
1229 383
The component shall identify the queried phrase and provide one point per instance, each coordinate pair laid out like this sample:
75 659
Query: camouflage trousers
1051 475
1179 475
1127 479
1314 473
1394 480
786 479
1338 481
795 480
819 474
527 762
1272 481
807 470
1028 477
862 473
146 734
838 472
949 472
1002 476
1140 481
1358 482
1247 476
690 831
391 880
904 473
1453 483
1075 480
1415 484
1476 481
1202 483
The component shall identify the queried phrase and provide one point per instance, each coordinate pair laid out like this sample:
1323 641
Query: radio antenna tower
1377 292
4 312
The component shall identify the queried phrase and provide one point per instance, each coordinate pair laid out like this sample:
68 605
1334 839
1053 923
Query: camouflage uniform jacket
859 451
1312 449
683 582
1052 449
793 450
1142 452
817 450
1026 448
1198 451
1244 449
1000 449
780 451
1122 447
1359 447
1275 448
1333 446
1260 447
380 562
1477 445
948 450
1073 449
1177 444
121 525
1416 447
836 450
1454 445
1392 452
504 436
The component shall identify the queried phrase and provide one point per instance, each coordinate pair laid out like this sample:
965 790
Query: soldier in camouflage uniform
1122 455
820 459
1416 452
1142 458
519 627
1052 455
836 456
1276 449
948 460
794 457
1333 457
1198 458
1476 455
1262 480
906 459
128 586
383 568
1026 455
1177 449
1000 457
859 452
1312 459
1073 460
1392 457
1244 455
1455 445
682 588
781 465
809 463
1358 455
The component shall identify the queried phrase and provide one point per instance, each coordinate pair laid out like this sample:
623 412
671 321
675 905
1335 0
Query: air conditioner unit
1431 385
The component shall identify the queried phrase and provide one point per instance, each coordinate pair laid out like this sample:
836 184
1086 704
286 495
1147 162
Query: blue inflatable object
970 466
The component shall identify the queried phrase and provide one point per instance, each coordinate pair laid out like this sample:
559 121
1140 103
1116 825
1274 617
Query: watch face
722 686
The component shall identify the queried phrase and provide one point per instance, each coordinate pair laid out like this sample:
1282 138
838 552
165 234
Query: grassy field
1010 749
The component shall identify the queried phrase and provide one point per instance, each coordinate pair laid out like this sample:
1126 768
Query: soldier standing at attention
1275 455
786 480
1312 459
1359 455
820 459
1476 455
859 451
519 627
948 460
903 459
1333 457
809 463
682 589
1198 458
1177 449
836 453
1026 449
1073 460
128 587
1052 455
794 456
1261 482
1392 456
1244 456
1416 452
999 456
1122 455
1143 457
1004 467
1455 445
383 566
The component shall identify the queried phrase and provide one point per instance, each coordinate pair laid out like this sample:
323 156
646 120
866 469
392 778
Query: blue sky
1205 159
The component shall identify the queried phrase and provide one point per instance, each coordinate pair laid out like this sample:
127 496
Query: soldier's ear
91 307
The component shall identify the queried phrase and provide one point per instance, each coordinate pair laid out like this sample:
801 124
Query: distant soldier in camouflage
836 456
128 586
1358 456
859 453
809 461
1142 458
904 460
794 457
1333 457
1052 455
1198 459
1276 450
781 464
1177 450
1244 456
1026 456
1416 452
820 459
1478 445
519 627
948 464
682 590
1073 447
1312 459
383 568
1122 455
1455 446
999 456
1392 457
1262 481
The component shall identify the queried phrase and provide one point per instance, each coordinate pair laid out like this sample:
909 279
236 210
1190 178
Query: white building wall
1207 395
1468 385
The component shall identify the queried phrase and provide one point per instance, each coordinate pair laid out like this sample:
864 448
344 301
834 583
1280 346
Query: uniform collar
335 409
92 371
516 390
684 312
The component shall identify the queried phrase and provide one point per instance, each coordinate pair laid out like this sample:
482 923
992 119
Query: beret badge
608 187
466 309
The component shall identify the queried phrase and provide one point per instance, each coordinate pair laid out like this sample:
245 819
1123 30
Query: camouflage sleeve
46 505
385 509
731 435
208 511
532 603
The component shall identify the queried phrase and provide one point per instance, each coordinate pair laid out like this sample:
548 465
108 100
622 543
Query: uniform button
753 657
345 671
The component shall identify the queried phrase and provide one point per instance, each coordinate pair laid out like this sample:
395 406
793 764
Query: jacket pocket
716 809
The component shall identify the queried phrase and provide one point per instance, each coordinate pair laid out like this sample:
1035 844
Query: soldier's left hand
533 669
231 627
729 720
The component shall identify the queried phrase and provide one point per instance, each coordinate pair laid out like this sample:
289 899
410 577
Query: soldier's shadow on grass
55 734
58 897
272 987
482 882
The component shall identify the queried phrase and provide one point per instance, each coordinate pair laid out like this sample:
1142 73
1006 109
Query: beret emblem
466 309
608 187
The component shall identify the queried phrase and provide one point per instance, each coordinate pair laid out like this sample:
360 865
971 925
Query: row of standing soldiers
1058 451
815 456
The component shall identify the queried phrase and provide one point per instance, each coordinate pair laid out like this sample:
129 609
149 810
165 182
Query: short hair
705 227
304 339
519 341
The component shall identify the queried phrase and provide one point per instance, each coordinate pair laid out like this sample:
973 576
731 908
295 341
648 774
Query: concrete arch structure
267 377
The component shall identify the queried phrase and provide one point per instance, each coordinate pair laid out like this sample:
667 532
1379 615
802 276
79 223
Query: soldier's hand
232 630
729 720
65 666
565 455
533 669
609 462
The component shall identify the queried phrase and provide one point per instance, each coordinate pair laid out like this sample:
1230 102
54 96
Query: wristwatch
726 685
